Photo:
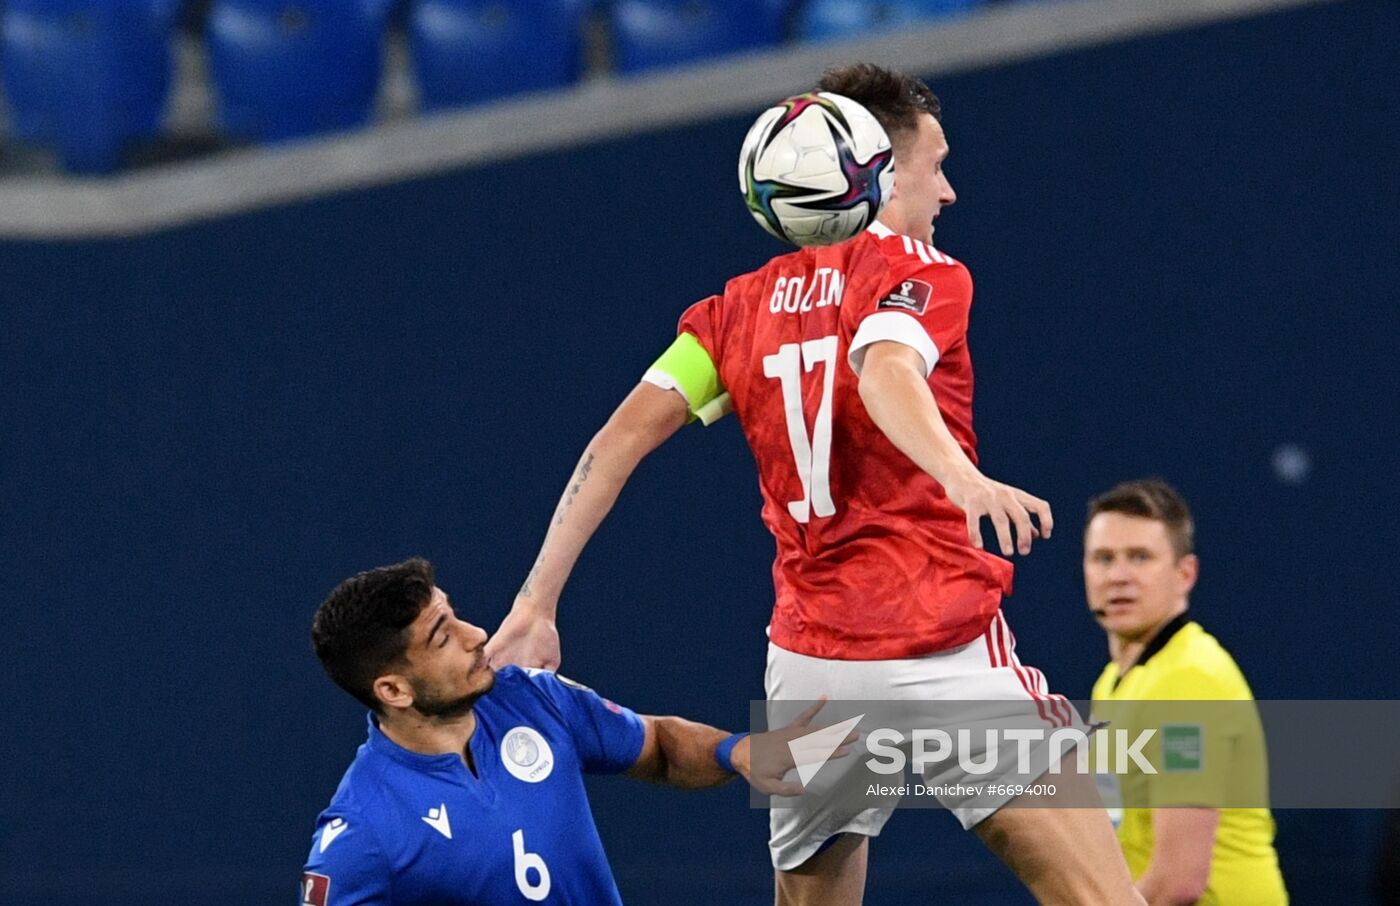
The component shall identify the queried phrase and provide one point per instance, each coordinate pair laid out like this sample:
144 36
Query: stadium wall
1185 256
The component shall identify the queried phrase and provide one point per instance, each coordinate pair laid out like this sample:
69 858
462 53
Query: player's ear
1188 569
393 690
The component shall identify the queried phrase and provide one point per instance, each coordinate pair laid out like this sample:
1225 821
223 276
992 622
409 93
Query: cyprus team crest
527 755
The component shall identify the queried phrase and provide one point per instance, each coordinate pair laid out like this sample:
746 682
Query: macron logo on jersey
333 830
911 296
437 820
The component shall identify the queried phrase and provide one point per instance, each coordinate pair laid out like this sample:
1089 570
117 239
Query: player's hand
527 638
1008 508
777 760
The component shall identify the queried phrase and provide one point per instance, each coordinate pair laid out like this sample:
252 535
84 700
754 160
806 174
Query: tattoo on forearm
584 468
525 588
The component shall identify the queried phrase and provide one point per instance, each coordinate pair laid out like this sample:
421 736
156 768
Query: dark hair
895 99
360 630
1151 498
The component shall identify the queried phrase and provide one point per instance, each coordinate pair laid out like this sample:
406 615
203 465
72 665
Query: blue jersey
406 829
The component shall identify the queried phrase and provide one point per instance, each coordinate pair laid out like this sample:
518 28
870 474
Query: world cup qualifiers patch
315 889
911 296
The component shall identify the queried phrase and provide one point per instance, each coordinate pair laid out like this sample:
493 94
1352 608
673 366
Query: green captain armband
688 369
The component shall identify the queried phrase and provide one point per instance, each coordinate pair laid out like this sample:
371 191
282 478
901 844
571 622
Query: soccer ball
816 169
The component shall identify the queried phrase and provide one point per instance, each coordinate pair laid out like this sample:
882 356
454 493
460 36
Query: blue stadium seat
822 20
466 51
289 68
652 33
86 77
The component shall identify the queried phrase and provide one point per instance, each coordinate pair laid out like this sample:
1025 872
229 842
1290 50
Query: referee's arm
1180 867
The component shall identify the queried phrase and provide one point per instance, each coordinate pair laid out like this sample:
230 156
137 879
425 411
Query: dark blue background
1185 256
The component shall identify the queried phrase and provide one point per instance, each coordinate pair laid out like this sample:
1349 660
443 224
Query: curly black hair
360 630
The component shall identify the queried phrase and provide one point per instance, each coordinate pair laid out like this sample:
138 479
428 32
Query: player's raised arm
895 391
648 416
682 385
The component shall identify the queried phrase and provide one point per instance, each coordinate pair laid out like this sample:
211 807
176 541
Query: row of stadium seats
88 77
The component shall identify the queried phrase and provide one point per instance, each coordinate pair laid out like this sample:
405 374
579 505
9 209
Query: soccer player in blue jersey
470 787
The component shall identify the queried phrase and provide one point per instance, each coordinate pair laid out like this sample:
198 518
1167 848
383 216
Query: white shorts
984 670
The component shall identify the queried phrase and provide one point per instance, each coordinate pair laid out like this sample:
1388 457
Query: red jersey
873 560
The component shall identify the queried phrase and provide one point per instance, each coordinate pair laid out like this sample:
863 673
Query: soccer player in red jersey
849 371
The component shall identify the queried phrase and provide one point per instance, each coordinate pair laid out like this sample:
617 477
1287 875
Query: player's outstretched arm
680 752
647 417
897 396
691 755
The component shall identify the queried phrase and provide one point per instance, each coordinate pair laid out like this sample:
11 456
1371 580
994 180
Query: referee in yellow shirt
1139 569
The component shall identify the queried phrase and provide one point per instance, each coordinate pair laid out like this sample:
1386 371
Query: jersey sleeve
607 736
924 308
1199 739
346 867
701 321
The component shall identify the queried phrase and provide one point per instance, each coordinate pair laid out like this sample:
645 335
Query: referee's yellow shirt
1185 663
